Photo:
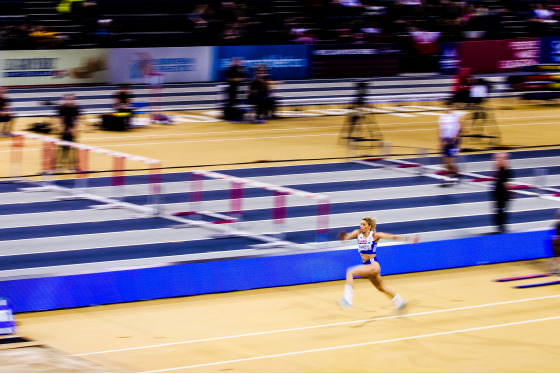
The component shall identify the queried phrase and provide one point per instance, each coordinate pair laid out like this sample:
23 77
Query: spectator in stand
17 37
81 11
351 3
228 12
411 2
541 19
105 32
467 13
233 32
230 20
372 32
6 115
345 33
426 42
74 6
541 13
199 16
44 38
298 32
351 7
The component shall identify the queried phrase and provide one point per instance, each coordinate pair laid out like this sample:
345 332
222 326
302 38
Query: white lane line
360 344
73 242
295 136
431 128
430 113
398 108
426 107
319 326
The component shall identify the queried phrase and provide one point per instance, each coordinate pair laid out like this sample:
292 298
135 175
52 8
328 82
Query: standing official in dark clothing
556 247
235 76
501 192
258 95
69 114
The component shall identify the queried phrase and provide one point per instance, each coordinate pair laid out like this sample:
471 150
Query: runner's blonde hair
370 221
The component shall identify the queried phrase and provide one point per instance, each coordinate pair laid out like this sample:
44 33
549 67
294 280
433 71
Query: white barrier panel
53 67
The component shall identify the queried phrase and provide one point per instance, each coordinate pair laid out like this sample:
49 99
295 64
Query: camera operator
461 87
479 93
361 92
355 126
5 112
123 103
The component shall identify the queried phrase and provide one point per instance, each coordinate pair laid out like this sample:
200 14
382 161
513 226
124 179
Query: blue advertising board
283 61
7 321
449 59
166 65
195 278
550 50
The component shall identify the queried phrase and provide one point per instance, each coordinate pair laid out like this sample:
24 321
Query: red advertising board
493 56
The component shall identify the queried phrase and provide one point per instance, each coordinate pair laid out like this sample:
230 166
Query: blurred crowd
414 24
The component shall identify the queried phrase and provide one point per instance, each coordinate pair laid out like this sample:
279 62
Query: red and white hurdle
82 153
536 189
279 210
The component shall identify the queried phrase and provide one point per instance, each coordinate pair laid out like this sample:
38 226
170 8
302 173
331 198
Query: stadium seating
125 23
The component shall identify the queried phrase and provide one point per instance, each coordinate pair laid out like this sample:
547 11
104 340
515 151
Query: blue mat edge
71 291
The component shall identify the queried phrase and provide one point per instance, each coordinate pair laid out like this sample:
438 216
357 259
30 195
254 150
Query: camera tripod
482 126
360 129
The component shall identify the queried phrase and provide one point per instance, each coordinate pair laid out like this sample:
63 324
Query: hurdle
279 210
537 284
523 277
385 149
47 160
540 184
537 189
384 161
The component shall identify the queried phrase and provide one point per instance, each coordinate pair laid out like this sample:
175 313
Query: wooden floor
210 144
458 320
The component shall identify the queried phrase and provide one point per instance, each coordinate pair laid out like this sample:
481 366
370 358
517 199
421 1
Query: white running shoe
401 307
343 303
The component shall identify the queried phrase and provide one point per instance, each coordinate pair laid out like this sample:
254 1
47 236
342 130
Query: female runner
367 246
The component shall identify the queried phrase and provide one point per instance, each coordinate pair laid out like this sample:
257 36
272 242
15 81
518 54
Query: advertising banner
161 65
449 59
365 60
282 61
7 320
493 56
550 50
53 67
